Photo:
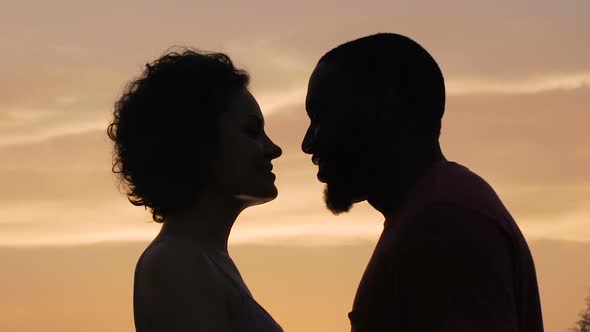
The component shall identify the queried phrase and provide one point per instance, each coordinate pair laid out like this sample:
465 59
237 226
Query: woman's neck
207 223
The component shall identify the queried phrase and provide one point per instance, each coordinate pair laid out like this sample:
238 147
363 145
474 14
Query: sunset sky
518 83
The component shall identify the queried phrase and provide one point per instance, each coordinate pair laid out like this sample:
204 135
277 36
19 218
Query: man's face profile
336 137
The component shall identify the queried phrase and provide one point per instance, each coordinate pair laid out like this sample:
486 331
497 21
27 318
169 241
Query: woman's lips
315 160
267 168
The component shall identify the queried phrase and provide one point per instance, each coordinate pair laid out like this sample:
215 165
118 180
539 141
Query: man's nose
309 140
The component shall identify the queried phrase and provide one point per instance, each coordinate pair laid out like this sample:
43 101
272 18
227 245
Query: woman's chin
258 198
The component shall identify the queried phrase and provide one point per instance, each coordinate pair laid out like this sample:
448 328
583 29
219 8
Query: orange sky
518 78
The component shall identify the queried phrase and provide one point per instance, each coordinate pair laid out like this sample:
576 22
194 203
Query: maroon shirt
452 259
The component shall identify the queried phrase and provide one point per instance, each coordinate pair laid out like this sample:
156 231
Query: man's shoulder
451 229
446 217
455 188
461 181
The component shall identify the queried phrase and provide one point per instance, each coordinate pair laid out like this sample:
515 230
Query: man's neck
390 192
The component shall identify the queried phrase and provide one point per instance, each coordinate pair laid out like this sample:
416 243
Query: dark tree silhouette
583 325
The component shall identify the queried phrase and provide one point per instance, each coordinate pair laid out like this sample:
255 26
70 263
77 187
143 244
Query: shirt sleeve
456 273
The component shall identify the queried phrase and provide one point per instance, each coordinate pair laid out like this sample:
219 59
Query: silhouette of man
450 257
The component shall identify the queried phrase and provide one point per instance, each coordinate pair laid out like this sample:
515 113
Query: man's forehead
327 82
327 74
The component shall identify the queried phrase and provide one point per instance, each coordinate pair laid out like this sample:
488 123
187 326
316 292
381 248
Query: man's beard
340 198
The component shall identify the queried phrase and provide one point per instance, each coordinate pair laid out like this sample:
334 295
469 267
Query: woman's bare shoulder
174 258
182 283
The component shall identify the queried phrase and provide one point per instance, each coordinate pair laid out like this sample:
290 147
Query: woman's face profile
241 164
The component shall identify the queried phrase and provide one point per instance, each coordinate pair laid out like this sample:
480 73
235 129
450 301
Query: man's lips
321 168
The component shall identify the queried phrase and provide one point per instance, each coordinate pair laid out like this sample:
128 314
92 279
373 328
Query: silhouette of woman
190 146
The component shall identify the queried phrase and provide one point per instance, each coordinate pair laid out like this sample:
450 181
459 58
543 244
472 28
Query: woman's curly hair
164 127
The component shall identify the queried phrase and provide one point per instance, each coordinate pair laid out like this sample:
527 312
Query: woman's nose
273 151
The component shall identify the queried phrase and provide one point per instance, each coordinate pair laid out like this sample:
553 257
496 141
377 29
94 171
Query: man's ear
387 107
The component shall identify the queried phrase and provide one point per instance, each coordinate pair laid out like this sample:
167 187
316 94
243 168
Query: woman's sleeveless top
254 317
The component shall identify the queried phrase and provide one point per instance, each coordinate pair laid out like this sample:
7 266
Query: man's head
375 105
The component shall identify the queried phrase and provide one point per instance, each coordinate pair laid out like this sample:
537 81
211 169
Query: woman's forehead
243 105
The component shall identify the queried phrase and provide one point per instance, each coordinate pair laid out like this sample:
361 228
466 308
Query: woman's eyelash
254 130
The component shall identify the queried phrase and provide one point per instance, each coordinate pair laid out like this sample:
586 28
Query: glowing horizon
518 86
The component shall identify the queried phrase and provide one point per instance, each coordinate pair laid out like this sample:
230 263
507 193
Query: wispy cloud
537 84
570 225
271 103
35 131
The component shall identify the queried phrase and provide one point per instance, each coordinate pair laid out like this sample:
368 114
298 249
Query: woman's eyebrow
259 120
308 105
